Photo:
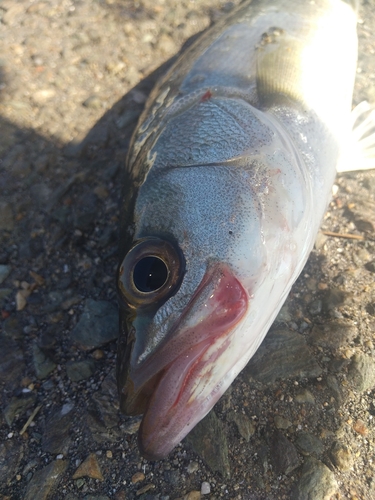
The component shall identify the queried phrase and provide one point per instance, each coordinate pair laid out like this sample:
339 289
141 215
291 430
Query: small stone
89 468
192 495
80 370
281 422
18 406
56 436
93 102
309 444
283 354
146 488
317 482
109 454
341 456
305 396
6 215
138 477
361 372
45 481
284 454
133 426
205 488
245 426
208 439
98 354
192 467
97 324
11 454
43 365
333 335
360 427
4 272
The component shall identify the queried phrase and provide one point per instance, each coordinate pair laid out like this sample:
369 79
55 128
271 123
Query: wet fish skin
228 176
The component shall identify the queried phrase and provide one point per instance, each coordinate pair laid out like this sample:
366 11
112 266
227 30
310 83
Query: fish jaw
182 371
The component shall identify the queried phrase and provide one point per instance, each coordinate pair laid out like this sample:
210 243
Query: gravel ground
297 423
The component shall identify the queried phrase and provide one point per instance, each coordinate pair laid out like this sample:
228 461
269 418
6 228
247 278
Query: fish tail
362 141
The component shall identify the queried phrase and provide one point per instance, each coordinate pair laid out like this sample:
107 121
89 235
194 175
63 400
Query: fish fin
278 74
359 154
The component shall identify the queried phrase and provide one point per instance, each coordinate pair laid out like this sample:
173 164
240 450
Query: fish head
206 270
187 288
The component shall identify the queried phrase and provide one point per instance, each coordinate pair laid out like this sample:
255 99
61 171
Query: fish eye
150 273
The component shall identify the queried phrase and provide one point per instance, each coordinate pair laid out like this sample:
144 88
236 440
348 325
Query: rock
12 363
43 365
172 477
333 335
304 396
89 468
283 454
309 444
192 467
45 481
102 417
245 426
208 440
80 370
283 354
6 216
93 102
5 293
56 436
205 488
11 454
138 477
341 456
97 325
4 272
192 495
333 385
18 406
317 482
281 422
361 372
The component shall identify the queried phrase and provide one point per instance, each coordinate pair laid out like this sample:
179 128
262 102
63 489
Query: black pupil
150 274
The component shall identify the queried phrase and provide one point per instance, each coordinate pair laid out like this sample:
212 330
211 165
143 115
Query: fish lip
218 305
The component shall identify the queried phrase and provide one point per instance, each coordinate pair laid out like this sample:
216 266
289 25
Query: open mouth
184 376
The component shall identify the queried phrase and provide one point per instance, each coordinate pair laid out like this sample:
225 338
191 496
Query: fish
228 176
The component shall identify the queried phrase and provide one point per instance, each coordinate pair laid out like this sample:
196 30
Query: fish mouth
185 376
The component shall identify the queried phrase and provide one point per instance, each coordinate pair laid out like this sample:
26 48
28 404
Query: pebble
6 216
317 482
89 468
192 495
45 481
138 477
205 488
192 467
360 427
283 454
11 454
43 365
208 439
56 436
18 406
333 335
304 396
309 444
98 324
361 372
4 272
281 422
283 354
341 456
245 426
93 102
80 370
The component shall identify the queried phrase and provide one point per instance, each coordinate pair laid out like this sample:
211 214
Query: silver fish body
228 177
